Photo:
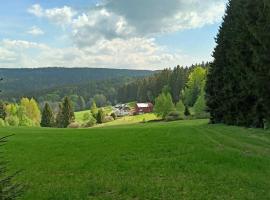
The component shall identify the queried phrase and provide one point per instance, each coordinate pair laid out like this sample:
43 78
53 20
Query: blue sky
141 34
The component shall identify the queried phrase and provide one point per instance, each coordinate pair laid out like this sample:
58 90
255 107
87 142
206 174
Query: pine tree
59 116
47 119
100 116
187 112
81 103
67 112
94 109
2 110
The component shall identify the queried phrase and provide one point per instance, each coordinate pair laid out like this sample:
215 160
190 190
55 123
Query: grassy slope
178 160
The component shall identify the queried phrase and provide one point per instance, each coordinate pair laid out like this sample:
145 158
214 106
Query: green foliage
163 105
90 122
67 113
100 116
94 109
180 107
12 120
47 119
2 123
174 116
59 116
86 116
81 103
31 110
187 112
100 100
200 108
113 115
237 89
194 87
2 110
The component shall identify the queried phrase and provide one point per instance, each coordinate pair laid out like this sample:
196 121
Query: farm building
121 110
143 108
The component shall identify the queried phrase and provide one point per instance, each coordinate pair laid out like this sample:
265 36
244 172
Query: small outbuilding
141 108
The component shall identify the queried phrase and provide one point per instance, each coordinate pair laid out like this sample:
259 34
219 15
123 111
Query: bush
187 112
13 120
86 116
2 123
113 115
91 122
108 119
173 116
74 125
100 116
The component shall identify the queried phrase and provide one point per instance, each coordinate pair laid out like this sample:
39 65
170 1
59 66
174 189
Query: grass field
178 160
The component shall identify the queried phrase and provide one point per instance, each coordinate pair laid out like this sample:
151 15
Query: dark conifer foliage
47 119
148 88
2 110
67 113
237 91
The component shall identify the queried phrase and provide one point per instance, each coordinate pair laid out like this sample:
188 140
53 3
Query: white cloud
139 53
6 56
118 33
60 16
22 44
35 31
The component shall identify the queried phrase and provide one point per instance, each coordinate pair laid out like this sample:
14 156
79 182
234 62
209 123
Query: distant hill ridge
25 80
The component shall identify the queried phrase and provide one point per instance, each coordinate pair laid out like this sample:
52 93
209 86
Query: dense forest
19 82
238 89
148 88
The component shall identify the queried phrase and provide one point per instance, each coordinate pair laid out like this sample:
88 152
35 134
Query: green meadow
176 160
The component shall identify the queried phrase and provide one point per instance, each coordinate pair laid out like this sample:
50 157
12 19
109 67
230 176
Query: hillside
179 160
20 82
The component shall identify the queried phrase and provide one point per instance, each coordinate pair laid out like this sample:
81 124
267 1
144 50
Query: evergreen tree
180 107
47 119
187 112
2 110
81 103
67 112
237 89
59 116
94 109
100 116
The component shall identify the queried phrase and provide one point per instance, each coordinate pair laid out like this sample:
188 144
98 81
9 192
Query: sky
129 34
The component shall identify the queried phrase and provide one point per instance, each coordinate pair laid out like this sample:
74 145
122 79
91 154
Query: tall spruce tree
237 90
47 119
67 112
2 110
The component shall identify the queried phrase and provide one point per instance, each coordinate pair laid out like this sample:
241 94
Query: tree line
148 88
237 88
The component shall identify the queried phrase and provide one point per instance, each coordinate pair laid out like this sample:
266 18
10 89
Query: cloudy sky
132 34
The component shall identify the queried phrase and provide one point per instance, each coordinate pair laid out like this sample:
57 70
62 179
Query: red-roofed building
141 108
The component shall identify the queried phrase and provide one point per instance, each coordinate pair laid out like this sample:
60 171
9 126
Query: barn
141 108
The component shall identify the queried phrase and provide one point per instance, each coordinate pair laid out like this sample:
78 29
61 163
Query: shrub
187 112
91 122
13 120
2 123
100 116
86 116
74 125
173 116
113 115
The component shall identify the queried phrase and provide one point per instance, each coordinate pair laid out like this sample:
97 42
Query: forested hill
26 81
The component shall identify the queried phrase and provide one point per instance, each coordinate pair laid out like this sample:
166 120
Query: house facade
141 108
